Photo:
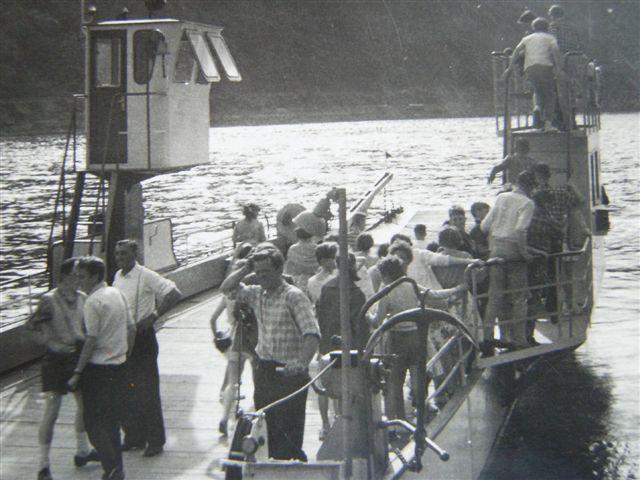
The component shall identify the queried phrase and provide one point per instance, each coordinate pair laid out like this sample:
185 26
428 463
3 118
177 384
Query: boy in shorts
59 327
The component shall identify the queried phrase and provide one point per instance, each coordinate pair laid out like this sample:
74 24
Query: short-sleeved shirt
401 298
420 268
453 275
510 217
315 284
301 263
59 321
284 317
538 48
106 317
516 164
251 231
142 288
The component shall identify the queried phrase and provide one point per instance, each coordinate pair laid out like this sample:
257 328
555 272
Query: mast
345 331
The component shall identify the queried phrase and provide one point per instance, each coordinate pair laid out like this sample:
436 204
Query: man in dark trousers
100 368
288 336
149 295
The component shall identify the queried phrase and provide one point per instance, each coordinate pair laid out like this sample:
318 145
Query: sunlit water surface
581 420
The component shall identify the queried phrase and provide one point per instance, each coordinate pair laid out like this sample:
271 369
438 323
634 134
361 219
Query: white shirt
142 288
315 283
106 317
538 48
420 268
510 217
421 244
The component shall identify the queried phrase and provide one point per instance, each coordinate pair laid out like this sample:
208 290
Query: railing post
559 298
462 370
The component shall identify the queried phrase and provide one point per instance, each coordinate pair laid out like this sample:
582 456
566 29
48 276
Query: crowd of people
294 296
283 308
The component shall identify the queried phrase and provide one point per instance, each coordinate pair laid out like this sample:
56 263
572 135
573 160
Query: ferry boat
146 109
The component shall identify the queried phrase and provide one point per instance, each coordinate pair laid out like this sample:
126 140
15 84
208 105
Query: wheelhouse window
193 51
205 60
108 55
147 45
224 55
185 62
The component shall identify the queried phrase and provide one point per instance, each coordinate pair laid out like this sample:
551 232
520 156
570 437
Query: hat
527 17
311 223
556 11
284 221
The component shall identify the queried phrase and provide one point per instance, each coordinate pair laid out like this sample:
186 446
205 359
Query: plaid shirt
558 201
541 230
284 318
566 35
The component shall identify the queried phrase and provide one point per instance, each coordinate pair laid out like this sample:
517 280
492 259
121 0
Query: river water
581 420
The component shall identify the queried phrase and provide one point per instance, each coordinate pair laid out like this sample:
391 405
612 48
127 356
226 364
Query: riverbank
51 115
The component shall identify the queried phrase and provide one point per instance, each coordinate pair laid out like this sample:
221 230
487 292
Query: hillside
311 60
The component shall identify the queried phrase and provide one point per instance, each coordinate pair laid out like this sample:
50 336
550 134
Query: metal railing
19 295
513 97
571 280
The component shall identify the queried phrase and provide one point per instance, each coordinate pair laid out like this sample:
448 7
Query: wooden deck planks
191 375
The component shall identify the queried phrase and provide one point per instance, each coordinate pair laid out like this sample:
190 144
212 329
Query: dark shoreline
52 115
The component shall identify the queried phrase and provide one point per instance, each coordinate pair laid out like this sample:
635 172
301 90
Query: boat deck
191 372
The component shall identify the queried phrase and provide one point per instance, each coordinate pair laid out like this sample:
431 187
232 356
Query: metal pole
345 330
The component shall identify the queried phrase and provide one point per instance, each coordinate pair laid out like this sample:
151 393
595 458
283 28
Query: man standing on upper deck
288 337
542 66
149 296
101 365
566 35
568 41
506 224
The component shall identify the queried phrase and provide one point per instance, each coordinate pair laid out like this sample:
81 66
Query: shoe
82 460
45 474
129 447
486 349
153 450
114 475
322 434
222 428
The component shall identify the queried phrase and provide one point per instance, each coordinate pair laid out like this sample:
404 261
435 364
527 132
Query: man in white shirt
506 224
109 338
542 66
149 295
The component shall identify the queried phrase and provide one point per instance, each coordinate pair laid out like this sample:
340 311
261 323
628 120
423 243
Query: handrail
512 105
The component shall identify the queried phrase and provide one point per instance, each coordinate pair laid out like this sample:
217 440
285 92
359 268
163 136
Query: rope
61 190
297 392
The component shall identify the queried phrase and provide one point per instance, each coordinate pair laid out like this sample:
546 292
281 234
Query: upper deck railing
579 91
